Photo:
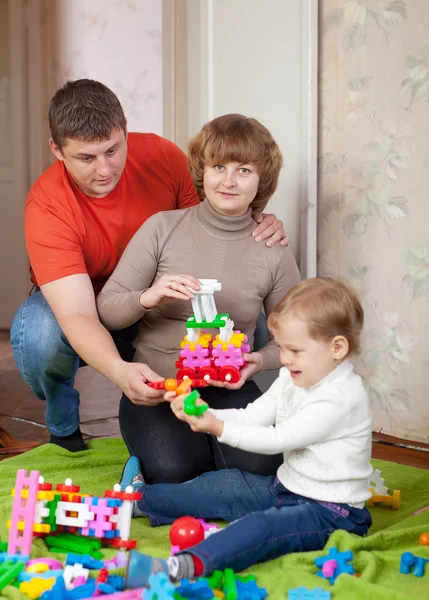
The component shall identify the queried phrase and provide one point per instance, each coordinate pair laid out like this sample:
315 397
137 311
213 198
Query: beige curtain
373 195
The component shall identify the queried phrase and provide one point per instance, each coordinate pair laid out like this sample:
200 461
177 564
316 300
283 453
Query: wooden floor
21 413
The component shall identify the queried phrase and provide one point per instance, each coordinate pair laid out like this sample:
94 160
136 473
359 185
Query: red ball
186 532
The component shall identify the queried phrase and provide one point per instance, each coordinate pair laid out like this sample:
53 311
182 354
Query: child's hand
254 361
206 423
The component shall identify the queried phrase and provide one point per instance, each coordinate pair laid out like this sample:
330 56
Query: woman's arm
130 292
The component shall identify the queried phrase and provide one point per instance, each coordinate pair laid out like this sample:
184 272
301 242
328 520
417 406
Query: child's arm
320 421
260 413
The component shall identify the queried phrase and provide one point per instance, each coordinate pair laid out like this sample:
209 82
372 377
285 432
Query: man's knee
36 338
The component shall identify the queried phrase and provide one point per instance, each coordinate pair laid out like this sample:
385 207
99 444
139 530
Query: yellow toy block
35 588
237 340
394 500
204 340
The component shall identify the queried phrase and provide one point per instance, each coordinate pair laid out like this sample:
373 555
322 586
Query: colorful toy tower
201 356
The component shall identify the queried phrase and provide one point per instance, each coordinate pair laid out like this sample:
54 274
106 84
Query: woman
235 165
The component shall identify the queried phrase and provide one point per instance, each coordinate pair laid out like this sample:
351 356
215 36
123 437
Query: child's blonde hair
330 307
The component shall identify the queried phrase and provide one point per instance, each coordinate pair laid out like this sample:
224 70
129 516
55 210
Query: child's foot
132 475
140 567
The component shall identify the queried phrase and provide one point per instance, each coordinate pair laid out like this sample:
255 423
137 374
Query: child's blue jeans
272 521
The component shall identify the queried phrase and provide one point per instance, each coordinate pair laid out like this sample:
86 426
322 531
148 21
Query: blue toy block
303 593
200 590
4 556
409 560
160 588
341 559
26 576
248 590
85 560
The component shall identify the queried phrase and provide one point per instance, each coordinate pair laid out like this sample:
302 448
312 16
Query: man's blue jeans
268 520
48 364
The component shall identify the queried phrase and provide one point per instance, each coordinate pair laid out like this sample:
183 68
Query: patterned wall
374 180
118 42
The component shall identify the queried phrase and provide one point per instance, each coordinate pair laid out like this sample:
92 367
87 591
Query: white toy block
124 515
225 333
203 303
80 520
377 483
70 573
193 335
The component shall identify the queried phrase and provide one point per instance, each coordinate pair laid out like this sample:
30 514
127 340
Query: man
79 217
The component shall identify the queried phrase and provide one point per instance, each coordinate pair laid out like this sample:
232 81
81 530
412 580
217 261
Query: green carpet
376 557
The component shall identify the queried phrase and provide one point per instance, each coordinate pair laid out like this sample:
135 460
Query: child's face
307 359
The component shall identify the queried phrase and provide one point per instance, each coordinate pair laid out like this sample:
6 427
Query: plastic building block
229 585
36 587
376 482
218 322
160 588
409 560
9 571
66 542
303 593
23 512
85 560
81 514
191 408
26 576
200 590
71 572
340 558
249 590
424 539
209 528
394 500
215 580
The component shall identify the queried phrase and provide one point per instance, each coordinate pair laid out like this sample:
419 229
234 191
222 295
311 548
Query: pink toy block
102 514
197 358
231 357
23 512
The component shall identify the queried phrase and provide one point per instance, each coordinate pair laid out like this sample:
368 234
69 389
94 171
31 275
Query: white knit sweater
323 431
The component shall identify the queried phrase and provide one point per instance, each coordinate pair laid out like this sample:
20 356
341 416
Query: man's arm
73 304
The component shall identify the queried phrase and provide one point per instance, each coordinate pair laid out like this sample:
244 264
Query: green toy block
218 322
229 586
3 546
9 571
215 580
192 409
66 542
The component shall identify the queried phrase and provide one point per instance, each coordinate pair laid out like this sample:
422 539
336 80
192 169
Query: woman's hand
206 423
167 288
254 361
270 228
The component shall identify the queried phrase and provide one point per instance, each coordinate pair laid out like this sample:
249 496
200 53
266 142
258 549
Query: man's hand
270 228
206 423
132 378
254 361
167 288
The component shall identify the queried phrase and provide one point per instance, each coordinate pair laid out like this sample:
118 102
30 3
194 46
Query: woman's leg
226 457
168 451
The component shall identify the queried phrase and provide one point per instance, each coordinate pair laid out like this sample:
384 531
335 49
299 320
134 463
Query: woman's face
231 186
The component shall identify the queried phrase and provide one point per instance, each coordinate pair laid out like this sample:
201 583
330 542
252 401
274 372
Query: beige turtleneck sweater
201 242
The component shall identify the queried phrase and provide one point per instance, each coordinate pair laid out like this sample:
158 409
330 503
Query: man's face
96 167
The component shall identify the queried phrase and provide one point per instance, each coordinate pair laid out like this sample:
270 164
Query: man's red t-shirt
68 232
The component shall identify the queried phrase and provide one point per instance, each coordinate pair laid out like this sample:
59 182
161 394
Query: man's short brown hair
84 110
240 139
330 307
